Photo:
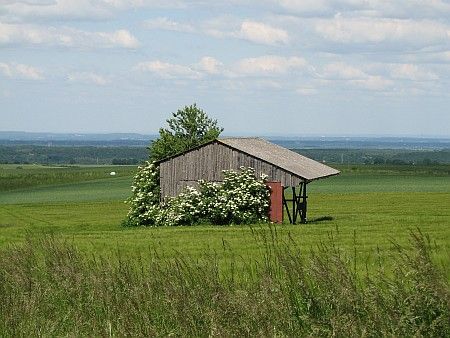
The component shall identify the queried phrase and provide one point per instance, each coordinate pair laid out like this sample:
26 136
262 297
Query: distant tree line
27 154
131 155
378 156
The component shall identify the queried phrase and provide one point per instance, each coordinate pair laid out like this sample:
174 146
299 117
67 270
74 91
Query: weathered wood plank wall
208 162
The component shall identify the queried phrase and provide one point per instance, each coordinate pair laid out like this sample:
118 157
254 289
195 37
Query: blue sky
267 67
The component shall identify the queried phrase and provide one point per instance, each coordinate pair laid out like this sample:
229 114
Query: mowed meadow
366 206
372 260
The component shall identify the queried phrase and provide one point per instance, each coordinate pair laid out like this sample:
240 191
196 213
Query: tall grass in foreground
49 288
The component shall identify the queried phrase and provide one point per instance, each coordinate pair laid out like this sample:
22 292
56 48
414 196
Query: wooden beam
304 204
294 209
286 206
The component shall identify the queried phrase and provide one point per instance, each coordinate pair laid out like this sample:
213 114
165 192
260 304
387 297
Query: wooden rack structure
299 203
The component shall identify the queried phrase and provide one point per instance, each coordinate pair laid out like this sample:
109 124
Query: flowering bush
241 198
144 200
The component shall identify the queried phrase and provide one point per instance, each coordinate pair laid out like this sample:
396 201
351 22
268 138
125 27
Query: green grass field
93 277
366 206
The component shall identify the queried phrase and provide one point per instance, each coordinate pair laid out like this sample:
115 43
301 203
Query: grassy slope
74 295
375 205
16 177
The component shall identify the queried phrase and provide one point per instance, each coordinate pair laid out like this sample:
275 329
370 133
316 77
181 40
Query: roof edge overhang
280 167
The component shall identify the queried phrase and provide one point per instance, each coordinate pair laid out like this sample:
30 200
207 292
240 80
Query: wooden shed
206 162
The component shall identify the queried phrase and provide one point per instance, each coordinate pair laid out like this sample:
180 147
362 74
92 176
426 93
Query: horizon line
235 134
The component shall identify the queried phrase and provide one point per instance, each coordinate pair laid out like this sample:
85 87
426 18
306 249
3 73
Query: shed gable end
208 162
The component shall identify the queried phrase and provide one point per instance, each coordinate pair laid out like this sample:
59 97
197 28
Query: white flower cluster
144 201
241 198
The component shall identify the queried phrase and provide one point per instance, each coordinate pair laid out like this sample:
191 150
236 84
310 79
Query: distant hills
291 142
344 142
29 136
75 139
131 148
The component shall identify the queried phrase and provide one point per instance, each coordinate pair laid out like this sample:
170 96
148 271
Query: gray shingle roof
286 159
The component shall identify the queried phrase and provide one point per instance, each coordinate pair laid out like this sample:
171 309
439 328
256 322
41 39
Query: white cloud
62 9
210 65
407 9
224 27
169 25
270 64
168 70
105 9
122 38
272 71
20 71
441 57
88 78
375 8
397 32
306 6
266 84
306 91
387 77
373 82
78 9
262 33
339 70
436 58
67 37
409 71
249 30
354 76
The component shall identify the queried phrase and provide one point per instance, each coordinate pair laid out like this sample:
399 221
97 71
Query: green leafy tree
189 127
